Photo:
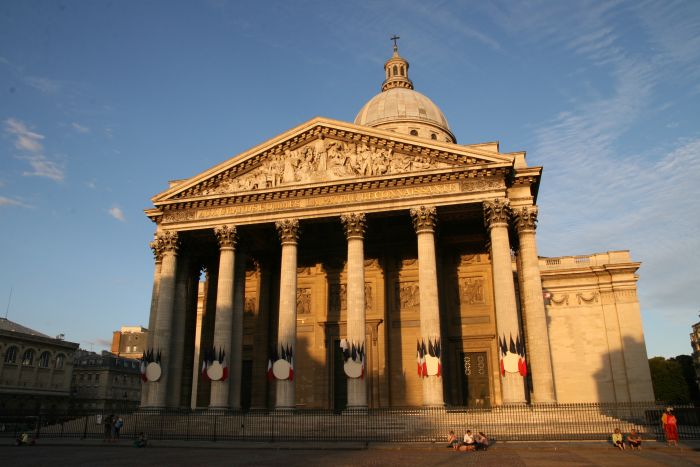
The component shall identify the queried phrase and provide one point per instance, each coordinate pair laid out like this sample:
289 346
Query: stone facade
35 369
105 382
378 264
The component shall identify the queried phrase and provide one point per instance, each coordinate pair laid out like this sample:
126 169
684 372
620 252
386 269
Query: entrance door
246 384
476 379
340 384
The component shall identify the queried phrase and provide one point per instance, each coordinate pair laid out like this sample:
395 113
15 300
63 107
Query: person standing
670 425
107 423
118 424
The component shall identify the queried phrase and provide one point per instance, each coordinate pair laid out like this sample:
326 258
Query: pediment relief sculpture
324 160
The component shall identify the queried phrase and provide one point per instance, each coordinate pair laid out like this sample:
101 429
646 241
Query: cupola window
414 132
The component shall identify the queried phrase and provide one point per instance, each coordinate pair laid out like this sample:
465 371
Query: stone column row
515 362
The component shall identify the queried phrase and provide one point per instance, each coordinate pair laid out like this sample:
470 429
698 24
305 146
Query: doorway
475 380
340 384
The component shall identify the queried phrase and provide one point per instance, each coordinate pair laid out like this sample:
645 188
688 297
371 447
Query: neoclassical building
380 263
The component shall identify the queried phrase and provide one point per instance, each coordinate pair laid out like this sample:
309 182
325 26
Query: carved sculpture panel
471 291
303 301
324 160
408 296
338 300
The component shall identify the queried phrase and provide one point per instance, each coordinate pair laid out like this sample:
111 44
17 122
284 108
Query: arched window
60 359
433 136
28 358
396 70
401 70
44 360
414 132
11 355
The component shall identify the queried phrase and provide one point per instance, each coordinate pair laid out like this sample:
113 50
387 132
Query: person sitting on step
617 439
634 440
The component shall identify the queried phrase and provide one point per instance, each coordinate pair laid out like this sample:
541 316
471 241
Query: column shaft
507 323
538 352
224 312
158 390
424 220
287 326
354 229
152 315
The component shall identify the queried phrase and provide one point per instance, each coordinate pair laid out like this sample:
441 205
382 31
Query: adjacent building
105 382
35 369
129 341
380 263
695 343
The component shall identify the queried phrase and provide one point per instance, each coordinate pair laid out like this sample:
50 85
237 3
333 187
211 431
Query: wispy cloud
117 213
25 139
45 85
80 128
41 83
43 167
30 143
4 201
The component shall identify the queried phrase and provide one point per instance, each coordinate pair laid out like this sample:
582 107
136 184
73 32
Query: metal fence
505 423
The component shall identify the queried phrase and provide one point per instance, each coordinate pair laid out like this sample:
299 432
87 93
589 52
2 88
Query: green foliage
668 381
688 368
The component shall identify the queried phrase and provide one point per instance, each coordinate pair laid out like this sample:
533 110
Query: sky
103 102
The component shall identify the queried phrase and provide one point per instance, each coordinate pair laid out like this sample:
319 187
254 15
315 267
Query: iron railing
506 423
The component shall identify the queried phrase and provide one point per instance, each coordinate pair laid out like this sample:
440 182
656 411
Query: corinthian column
226 235
355 225
540 357
288 231
424 221
158 256
510 343
167 243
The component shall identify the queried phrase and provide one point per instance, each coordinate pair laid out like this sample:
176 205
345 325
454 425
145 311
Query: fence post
215 421
85 427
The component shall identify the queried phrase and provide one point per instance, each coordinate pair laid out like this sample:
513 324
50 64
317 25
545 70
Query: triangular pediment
322 152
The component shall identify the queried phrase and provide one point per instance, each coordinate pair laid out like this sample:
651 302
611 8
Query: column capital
424 218
165 241
355 224
288 230
226 235
525 218
496 212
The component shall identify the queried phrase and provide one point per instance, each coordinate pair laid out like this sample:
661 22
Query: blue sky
101 103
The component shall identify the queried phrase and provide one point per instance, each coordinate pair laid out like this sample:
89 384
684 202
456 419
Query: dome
400 108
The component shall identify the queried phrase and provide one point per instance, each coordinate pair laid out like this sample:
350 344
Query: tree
688 368
668 381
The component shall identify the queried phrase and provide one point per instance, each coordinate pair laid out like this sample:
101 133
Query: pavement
89 452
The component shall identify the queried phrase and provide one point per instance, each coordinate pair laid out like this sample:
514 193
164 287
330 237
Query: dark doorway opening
475 380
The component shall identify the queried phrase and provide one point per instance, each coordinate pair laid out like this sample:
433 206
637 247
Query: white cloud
30 142
80 128
26 140
4 201
117 213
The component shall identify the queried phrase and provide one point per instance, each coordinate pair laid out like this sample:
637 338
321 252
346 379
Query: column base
355 410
